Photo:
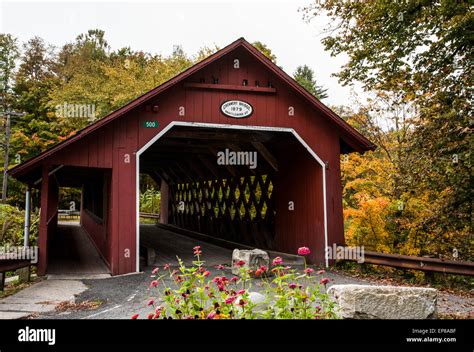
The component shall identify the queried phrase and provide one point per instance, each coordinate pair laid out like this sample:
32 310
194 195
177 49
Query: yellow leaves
367 223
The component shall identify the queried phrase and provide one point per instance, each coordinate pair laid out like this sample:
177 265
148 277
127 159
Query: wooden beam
233 87
267 155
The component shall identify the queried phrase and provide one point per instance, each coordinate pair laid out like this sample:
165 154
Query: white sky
155 26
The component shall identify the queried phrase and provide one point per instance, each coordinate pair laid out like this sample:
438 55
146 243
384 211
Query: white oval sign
236 109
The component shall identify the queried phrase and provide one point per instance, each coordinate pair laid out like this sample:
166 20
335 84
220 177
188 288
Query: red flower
211 315
151 315
324 281
309 270
230 300
292 285
263 268
154 283
206 273
303 251
220 267
277 261
135 316
154 271
258 272
320 272
240 263
234 279
240 292
150 302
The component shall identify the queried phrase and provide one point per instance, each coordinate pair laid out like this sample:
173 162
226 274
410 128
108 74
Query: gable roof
356 140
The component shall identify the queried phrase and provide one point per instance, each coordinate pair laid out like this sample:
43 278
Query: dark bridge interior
231 202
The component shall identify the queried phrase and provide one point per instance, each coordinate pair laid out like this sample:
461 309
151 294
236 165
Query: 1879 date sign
236 109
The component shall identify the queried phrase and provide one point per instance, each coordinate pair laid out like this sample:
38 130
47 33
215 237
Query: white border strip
223 126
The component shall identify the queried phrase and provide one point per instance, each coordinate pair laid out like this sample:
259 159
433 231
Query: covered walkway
73 253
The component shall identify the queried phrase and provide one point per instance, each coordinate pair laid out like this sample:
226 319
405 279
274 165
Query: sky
157 26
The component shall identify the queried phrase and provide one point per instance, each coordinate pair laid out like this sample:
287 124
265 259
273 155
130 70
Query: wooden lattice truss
239 209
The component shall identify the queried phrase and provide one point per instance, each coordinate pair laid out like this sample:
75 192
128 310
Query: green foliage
150 201
8 54
190 293
265 50
305 77
11 226
419 52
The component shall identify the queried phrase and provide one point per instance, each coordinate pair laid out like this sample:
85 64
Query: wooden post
43 227
164 194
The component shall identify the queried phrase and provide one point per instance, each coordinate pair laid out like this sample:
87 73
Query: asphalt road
124 296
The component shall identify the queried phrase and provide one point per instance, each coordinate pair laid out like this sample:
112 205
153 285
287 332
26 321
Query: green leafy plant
192 293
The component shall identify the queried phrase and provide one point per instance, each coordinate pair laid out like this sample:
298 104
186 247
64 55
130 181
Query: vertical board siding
300 179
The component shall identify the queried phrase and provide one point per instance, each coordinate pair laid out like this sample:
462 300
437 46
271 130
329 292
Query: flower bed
283 292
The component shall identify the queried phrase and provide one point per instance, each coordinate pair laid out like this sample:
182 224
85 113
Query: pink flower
277 261
154 283
263 268
220 267
211 315
240 292
166 266
234 279
292 285
230 300
150 302
309 270
197 248
320 272
135 316
154 271
206 273
240 263
324 281
258 272
303 251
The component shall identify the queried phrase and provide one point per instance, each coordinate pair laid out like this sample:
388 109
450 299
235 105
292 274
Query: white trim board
223 126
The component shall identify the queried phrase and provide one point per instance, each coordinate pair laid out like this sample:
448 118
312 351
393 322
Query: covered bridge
241 151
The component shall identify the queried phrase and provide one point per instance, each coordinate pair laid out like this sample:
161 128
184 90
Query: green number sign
150 124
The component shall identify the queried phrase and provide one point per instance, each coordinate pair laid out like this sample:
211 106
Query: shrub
12 225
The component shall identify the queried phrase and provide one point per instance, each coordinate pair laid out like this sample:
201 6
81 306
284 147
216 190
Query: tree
305 77
8 54
420 51
265 50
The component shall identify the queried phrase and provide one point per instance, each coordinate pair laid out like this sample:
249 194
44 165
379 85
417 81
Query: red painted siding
300 179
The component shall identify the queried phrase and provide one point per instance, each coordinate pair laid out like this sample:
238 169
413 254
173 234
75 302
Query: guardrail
420 263
149 215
